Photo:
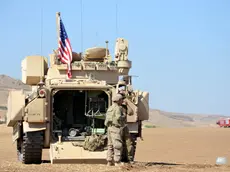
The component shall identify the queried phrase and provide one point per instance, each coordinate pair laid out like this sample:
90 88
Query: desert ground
162 149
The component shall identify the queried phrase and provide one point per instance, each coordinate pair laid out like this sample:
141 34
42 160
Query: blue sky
180 49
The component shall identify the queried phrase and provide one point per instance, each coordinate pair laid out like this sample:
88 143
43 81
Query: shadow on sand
136 162
156 163
45 161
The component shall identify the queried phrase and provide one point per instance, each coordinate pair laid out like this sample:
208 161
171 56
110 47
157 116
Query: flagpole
57 60
58 14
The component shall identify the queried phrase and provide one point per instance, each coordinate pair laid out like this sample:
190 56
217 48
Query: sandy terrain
174 150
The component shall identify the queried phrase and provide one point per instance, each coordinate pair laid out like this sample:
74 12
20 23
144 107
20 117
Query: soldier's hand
124 102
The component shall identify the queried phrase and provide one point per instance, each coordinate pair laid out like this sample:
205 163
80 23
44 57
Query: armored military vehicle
67 115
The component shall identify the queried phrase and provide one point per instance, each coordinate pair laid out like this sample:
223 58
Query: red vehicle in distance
224 122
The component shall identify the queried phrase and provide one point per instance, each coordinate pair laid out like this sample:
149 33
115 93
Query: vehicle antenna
116 18
41 78
81 30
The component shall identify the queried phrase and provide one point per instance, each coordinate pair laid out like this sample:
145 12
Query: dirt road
174 150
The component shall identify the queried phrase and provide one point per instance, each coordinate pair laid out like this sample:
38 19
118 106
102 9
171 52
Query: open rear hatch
78 126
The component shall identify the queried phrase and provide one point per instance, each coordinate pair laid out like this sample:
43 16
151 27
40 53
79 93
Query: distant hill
160 118
157 117
8 83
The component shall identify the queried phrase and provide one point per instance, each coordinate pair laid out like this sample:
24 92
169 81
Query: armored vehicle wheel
29 149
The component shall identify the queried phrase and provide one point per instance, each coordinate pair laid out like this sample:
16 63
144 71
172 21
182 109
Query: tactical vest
109 116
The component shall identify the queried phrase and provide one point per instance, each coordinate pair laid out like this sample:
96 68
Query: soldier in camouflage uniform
128 149
115 123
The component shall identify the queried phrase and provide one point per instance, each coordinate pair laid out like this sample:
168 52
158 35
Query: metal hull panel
66 152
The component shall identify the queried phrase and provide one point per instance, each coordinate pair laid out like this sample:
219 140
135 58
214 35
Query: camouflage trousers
128 149
115 144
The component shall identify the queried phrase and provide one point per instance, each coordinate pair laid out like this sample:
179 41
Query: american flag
65 49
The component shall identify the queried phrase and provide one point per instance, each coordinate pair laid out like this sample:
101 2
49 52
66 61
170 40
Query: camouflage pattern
126 137
128 148
114 144
95 143
114 116
115 123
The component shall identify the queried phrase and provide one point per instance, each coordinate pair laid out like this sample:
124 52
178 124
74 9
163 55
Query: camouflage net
94 143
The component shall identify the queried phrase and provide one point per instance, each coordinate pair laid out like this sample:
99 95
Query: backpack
95 142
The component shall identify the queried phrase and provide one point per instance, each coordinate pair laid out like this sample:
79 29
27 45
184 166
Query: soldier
115 124
127 139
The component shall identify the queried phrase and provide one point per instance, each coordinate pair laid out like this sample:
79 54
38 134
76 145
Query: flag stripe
63 51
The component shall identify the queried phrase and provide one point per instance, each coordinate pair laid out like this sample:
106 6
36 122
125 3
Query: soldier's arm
108 116
128 108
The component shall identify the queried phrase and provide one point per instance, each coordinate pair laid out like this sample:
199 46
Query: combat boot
131 160
109 163
119 163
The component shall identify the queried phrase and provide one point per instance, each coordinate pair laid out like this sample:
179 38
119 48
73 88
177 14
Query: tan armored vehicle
67 116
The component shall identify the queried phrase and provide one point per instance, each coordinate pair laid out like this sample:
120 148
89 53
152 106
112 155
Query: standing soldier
115 123
128 150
